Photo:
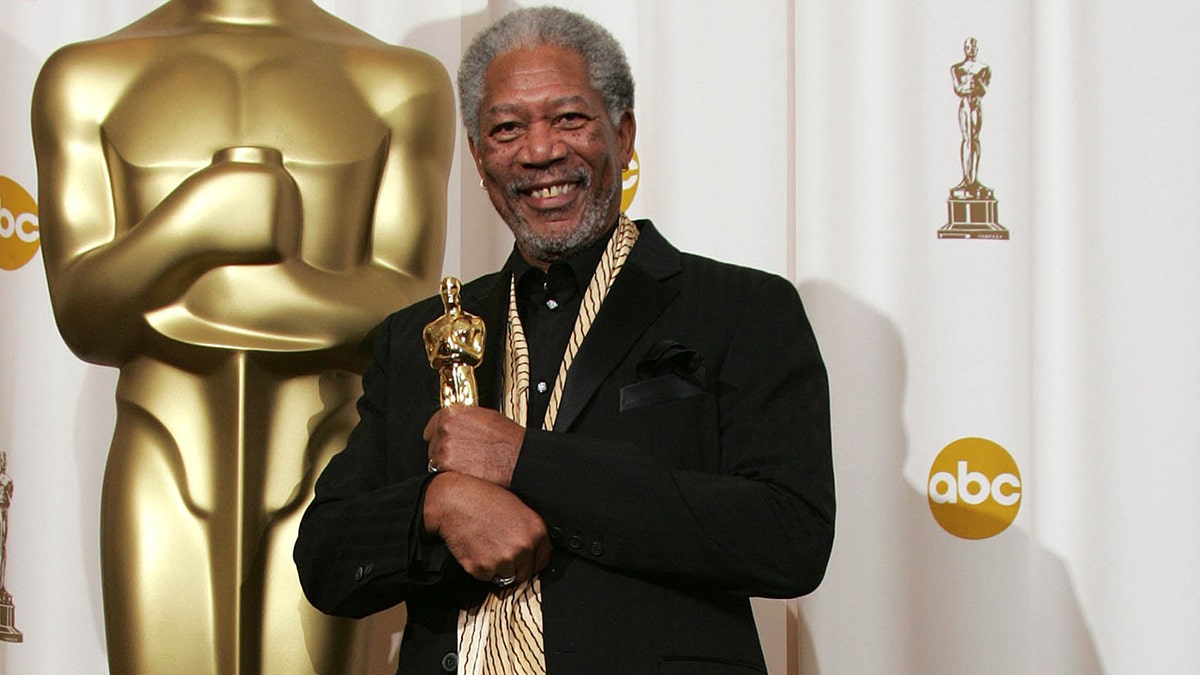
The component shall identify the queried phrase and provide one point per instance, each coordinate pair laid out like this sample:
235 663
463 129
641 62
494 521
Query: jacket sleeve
361 547
758 520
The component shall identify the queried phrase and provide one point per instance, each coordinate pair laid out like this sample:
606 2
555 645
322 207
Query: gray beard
592 225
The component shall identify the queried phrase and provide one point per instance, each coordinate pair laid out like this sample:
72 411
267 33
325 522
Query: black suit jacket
689 468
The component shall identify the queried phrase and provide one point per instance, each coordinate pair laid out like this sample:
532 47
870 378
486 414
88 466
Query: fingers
522 552
530 560
504 571
535 556
431 426
490 532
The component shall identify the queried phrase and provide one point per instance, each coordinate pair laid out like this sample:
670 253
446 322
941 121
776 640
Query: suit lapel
640 293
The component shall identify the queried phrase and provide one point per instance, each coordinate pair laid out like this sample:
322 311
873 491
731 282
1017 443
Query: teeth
553 191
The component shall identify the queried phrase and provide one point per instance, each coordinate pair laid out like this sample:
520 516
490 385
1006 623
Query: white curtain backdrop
819 139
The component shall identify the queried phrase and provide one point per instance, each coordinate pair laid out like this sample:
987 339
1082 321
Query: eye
572 120
505 131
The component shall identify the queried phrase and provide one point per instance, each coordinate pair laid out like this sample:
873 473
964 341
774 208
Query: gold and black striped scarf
503 635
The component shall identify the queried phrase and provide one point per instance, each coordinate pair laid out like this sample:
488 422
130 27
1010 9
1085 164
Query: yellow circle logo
19 234
974 488
629 181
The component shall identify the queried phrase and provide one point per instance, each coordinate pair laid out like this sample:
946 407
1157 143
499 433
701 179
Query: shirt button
542 387
450 662
551 304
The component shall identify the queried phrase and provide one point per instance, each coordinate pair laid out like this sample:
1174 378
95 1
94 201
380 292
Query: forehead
536 75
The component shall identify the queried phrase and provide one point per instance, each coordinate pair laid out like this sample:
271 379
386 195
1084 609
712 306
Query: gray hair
533 27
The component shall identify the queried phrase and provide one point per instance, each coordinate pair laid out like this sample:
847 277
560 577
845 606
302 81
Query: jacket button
597 548
575 542
556 533
358 573
450 662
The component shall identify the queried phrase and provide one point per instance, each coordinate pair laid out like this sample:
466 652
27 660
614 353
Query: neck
586 235
248 11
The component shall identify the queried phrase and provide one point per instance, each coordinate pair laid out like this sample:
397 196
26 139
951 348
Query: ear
475 156
626 131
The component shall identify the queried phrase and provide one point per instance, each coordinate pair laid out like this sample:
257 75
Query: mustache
516 186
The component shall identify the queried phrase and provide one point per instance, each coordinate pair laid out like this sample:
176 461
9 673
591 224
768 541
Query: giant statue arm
102 278
410 211
220 260
308 302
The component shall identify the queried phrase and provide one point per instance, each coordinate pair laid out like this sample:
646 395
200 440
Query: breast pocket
657 390
668 417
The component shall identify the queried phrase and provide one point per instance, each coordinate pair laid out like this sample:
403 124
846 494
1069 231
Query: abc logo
974 488
629 181
19 234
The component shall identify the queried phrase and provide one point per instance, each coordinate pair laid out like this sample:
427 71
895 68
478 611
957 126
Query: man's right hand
489 531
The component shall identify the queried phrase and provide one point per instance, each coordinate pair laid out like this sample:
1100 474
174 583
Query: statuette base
8 632
972 219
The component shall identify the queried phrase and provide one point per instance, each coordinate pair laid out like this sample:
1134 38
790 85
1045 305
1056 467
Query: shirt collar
582 265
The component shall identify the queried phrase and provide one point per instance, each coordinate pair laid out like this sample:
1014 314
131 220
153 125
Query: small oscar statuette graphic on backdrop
972 205
8 631
454 344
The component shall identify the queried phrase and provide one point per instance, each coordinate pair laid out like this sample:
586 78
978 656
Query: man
670 456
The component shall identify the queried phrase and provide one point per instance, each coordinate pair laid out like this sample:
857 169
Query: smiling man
549 152
652 444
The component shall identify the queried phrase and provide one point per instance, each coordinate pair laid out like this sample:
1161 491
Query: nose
543 146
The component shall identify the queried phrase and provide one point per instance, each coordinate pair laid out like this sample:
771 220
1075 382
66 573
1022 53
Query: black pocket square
669 357
668 371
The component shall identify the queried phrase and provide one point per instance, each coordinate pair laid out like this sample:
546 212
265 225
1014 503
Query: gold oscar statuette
454 344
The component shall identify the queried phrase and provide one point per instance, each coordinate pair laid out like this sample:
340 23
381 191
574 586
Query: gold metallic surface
454 344
233 194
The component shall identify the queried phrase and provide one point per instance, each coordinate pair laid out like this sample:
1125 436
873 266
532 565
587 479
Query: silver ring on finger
504 582
431 468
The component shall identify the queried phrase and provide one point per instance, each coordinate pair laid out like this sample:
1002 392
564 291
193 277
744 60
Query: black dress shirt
548 303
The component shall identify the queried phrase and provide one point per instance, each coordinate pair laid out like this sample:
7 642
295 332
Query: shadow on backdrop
902 595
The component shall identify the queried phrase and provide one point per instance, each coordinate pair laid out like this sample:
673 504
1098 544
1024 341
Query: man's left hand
479 442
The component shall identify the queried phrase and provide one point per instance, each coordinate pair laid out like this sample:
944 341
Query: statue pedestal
8 632
972 218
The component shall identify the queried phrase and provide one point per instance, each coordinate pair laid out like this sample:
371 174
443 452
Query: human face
549 156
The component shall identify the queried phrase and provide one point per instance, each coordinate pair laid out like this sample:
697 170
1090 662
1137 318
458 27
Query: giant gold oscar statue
233 193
